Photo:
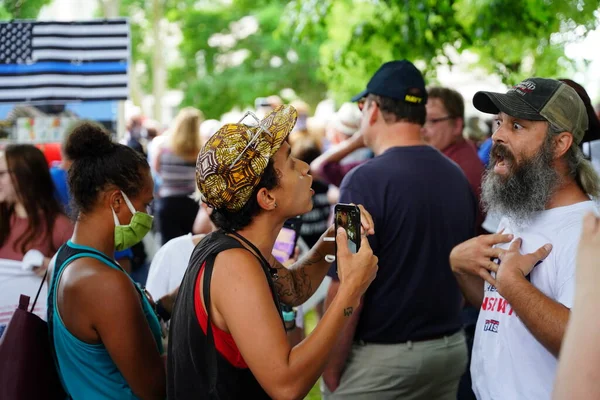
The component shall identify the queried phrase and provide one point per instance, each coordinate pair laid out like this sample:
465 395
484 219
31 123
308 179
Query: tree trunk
110 8
158 65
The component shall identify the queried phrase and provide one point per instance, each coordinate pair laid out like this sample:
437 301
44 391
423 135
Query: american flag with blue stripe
64 61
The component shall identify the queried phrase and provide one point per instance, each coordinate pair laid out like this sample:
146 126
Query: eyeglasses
436 120
361 103
261 128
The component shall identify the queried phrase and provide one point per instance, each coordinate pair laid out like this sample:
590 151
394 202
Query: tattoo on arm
348 311
294 285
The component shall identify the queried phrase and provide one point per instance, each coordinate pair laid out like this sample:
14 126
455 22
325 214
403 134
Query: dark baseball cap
539 99
399 80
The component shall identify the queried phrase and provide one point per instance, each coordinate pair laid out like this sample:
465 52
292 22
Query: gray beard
525 191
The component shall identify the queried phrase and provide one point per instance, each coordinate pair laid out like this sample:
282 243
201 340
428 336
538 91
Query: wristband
289 316
162 312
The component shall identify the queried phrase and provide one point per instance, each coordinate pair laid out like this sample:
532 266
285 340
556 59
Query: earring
275 205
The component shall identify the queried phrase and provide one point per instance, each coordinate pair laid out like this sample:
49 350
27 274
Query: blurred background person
30 215
208 128
135 133
485 147
443 129
264 105
202 223
475 131
347 148
175 164
59 172
300 130
590 144
316 221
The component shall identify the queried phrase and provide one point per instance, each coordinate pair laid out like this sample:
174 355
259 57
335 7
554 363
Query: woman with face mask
104 331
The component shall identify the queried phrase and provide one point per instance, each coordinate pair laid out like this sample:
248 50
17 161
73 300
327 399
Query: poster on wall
42 129
43 124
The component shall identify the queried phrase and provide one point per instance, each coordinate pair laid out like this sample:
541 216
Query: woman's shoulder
238 263
84 274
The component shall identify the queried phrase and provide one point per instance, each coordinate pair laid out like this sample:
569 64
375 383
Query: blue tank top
86 370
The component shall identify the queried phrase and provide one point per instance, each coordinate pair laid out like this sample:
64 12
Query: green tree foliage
21 9
319 47
138 12
513 38
216 77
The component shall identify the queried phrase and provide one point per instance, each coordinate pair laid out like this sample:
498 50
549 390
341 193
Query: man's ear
563 142
374 111
265 199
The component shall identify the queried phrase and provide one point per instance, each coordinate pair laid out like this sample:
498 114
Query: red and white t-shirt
508 362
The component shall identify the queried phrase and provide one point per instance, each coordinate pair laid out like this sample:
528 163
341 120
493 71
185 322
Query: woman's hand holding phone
367 226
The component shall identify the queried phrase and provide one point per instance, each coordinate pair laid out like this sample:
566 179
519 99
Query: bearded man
523 276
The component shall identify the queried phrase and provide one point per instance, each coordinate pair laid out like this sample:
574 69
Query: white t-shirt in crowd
168 266
508 362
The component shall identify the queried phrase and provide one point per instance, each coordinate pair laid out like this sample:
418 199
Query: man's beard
526 189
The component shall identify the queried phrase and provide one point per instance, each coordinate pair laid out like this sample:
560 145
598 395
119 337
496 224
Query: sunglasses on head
255 122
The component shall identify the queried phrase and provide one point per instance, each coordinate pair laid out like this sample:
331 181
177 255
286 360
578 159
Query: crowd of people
474 276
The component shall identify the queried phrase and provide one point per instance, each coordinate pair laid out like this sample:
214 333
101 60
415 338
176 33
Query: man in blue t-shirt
406 340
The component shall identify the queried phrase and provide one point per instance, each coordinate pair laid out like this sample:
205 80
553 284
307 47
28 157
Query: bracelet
162 311
289 316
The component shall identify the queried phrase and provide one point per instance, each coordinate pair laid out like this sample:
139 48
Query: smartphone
285 245
348 217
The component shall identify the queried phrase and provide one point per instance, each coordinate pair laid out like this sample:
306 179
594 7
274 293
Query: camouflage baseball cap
233 160
539 99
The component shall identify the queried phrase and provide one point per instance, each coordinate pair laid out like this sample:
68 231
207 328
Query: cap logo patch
413 99
524 87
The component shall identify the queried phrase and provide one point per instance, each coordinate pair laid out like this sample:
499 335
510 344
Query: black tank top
195 369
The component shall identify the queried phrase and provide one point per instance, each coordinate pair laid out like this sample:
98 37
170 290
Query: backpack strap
42 283
39 290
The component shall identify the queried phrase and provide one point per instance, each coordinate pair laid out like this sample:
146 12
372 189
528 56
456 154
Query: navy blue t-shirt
422 206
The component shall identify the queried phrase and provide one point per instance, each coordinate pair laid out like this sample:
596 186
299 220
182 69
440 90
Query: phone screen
284 245
348 217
